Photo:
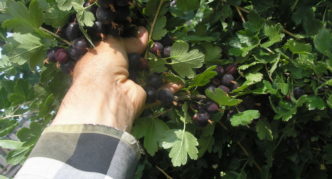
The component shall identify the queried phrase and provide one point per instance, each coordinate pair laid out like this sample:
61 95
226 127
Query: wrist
92 104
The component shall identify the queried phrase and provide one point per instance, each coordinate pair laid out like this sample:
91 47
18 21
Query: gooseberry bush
256 100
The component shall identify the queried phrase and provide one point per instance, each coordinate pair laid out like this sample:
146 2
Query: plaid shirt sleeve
82 151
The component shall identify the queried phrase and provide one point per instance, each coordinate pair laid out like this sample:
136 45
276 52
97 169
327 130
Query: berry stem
55 35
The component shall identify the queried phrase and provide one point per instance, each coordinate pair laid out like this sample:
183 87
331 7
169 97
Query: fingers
173 87
137 44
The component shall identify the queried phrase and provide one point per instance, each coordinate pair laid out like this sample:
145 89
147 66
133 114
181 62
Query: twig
247 154
163 172
16 115
155 19
240 14
55 35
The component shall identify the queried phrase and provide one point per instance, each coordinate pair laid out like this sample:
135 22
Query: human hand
101 92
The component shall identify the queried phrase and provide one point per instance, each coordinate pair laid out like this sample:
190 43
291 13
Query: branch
55 35
163 172
240 14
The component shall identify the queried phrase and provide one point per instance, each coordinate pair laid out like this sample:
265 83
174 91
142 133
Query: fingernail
140 31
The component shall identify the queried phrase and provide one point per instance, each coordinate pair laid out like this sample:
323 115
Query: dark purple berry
216 81
67 67
211 88
298 92
167 51
220 70
155 80
227 80
166 40
231 69
104 15
73 31
81 44
165 96
99 27
61 55
212 107
157 48
134 61
75 53
151 95
51 54
201 119
224 88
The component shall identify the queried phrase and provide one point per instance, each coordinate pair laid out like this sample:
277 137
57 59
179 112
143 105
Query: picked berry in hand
165 96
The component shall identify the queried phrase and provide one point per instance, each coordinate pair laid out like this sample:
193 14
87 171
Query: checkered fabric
83 152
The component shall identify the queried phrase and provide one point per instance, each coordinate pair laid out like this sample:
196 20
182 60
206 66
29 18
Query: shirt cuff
83 150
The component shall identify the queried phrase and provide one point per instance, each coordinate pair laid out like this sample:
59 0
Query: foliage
262 129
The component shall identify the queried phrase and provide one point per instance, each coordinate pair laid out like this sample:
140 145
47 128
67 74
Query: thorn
46 61
58 65
210 121
112 8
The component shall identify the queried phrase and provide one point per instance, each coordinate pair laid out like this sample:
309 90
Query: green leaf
244 118
159 30
36 13
184 61
328 153
323 41
157 65
55 17
315 102
285 110
10 144
18 156
83 16
251 78
186 5
212 53
220 97
329 101
274 32
243 43
204 78
263 130
7 126
30 134
182 145
254 23
66 5
152 130
298 47
266 88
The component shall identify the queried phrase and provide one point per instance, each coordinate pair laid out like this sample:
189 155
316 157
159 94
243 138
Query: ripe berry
166 40
80 44
157 48
220 70
134 60
211 88
61 55
73 31
165 97
67 67
151 95
75 53
155 81
231 69
216 81
227 79
298 92
201 119
212 107
104 15
224 88
167 51
51 54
